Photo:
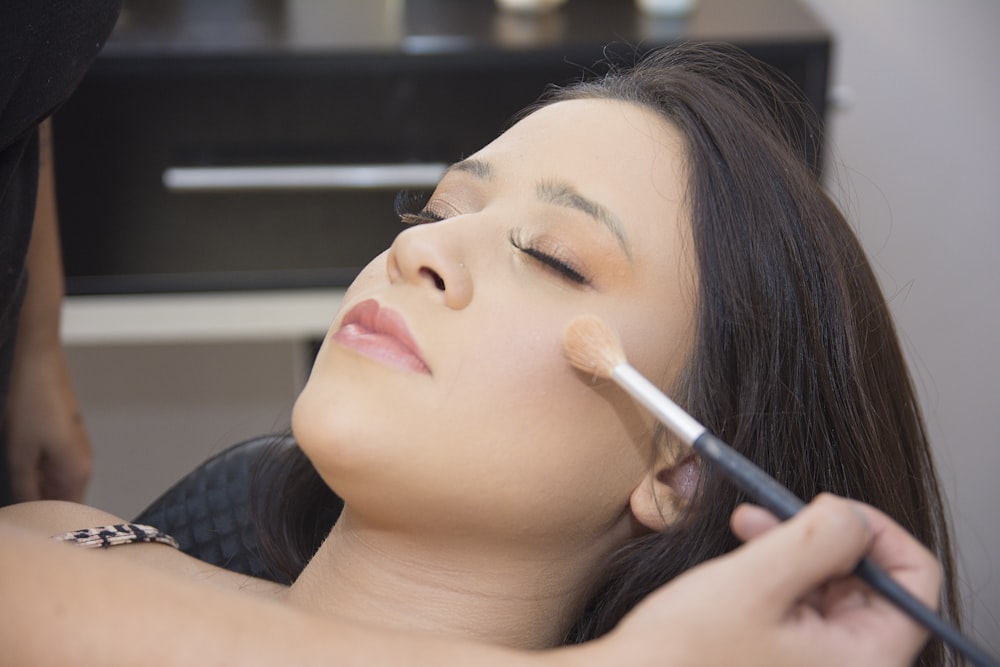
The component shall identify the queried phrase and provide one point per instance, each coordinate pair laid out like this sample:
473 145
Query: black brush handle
750 479
784 504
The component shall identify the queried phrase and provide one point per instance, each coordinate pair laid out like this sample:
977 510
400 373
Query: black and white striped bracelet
114 535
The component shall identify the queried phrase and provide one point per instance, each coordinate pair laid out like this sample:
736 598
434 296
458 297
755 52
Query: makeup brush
592 347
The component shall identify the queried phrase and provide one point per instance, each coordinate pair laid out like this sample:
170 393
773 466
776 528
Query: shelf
199 317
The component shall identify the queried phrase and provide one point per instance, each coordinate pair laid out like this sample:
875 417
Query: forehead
619 154
613 132
614 150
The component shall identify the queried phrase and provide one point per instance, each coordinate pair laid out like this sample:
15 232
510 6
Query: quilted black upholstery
208 510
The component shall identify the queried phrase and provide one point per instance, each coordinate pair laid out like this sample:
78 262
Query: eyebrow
564 194
478 168
556 192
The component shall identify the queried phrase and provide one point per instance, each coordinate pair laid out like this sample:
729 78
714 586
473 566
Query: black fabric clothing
46 46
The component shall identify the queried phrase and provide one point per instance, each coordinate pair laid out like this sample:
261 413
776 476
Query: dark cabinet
261 144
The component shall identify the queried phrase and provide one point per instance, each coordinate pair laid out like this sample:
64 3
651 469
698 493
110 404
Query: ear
659 498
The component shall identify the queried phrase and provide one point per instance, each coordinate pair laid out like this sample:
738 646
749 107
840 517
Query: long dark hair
796 362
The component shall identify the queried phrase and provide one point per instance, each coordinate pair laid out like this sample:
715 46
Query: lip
380 333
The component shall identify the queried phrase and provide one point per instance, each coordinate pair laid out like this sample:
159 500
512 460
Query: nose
431 256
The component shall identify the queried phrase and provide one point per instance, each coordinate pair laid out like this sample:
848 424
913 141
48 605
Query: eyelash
560 266
409 206
421 218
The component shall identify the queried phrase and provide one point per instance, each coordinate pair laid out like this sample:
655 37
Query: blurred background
914 157
228 165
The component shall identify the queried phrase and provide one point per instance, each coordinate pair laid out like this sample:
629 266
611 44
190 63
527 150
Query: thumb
822 542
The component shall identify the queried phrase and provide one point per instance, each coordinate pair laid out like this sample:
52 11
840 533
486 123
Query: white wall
165 381
155 411
917 156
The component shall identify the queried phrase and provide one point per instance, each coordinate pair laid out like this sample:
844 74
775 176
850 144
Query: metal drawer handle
298 177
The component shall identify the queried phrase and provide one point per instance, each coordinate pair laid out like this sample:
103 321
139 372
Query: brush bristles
592 347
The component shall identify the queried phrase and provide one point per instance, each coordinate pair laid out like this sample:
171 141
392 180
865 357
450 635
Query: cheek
657 328
543 420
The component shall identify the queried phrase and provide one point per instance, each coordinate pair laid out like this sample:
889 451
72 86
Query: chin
334 432
318 426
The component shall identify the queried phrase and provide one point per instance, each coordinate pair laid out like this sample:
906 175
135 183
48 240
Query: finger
903 557
750 521
824 541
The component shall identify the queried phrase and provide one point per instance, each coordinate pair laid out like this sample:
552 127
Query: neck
500 595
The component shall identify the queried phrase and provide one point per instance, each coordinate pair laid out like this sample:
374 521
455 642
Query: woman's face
441 401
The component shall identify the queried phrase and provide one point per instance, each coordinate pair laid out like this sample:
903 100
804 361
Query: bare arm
64 606
47 445
784 599
46 518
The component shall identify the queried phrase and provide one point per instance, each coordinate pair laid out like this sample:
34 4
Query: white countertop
199 317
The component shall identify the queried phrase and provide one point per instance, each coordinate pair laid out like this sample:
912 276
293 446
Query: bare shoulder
54 517
50 517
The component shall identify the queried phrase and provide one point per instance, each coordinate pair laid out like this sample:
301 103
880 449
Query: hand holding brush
592 347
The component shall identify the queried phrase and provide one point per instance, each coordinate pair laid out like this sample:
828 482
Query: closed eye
548 255
564 268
